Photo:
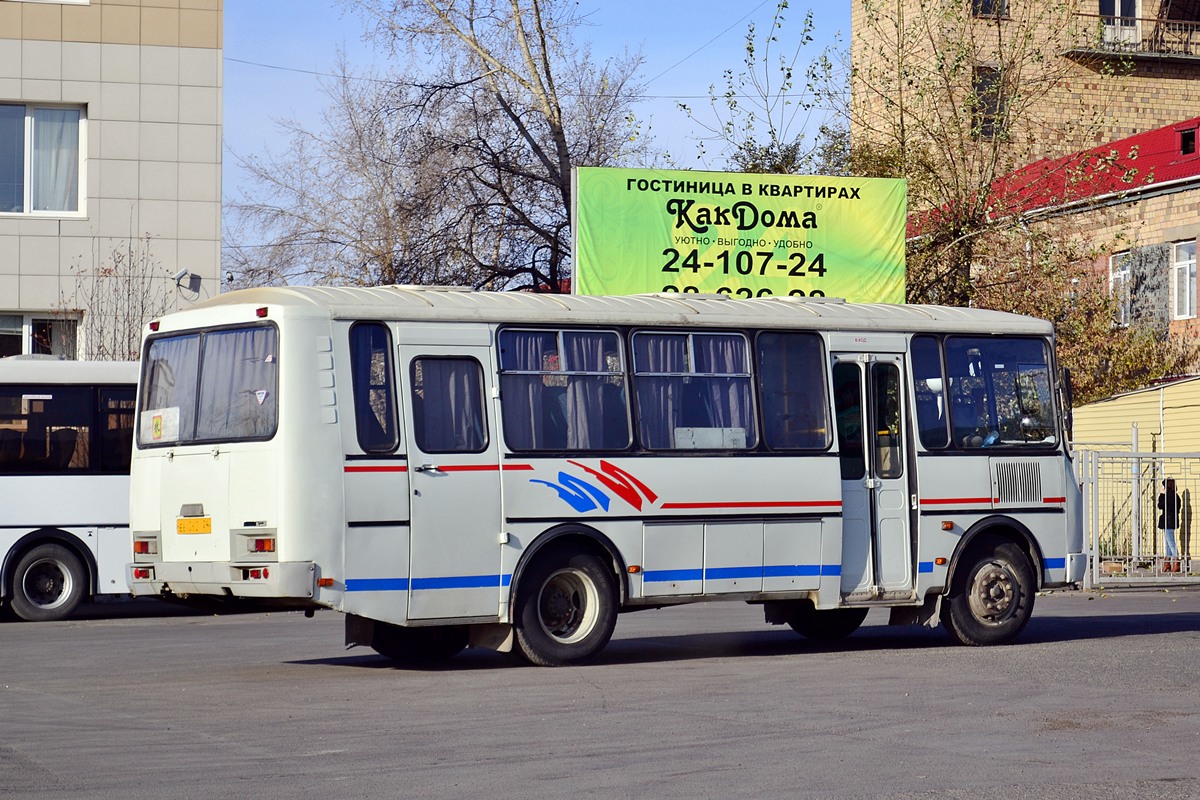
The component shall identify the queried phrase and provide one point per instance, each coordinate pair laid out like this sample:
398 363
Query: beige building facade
110 163
1051 77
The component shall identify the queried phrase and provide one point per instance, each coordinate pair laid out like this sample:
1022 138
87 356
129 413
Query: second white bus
454 468
66 433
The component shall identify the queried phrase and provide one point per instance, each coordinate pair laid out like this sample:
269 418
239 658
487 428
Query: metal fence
1120 493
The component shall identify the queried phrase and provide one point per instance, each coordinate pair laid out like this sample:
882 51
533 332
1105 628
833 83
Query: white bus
454 468
66 434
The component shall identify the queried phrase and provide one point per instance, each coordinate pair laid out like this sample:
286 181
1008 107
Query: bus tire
825 626
566 608
418 645
993 599
47 584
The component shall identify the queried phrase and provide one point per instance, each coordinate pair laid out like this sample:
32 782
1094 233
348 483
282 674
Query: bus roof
444 304
26 369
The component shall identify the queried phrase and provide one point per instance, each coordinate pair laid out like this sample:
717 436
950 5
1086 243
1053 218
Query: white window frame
27 166
1183 272
1121 29
1119 286
68 349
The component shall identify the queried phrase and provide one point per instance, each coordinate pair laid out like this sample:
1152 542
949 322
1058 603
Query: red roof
1125 165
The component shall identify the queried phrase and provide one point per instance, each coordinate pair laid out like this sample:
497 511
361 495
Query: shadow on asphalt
772 641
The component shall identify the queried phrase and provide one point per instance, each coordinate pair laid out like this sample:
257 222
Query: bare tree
954 96
455 170
759 120
114 296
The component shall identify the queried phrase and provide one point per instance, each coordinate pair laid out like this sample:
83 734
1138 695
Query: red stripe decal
349 468
1054 499
764 504
946 501
485 468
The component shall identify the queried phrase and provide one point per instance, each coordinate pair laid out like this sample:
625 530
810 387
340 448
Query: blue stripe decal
1056 563
402 584
377 584
924 566
728 573
459 582
791 570
656 575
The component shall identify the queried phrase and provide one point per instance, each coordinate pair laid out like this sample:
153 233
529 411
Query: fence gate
1120 493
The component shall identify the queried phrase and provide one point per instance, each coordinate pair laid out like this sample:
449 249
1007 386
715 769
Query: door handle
427 468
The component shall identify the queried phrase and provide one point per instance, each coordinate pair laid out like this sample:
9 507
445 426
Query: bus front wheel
825 626
47 584
993 599
566 608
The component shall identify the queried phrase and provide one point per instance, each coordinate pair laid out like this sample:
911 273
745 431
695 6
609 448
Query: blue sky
273 47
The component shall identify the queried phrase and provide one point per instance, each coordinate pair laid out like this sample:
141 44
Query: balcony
1135 37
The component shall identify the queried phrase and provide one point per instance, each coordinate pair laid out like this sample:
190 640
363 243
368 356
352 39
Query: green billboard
640 230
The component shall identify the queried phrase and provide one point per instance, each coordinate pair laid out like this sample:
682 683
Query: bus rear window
211 386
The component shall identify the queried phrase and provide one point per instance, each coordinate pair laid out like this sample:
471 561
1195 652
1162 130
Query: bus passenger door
877 553
454 480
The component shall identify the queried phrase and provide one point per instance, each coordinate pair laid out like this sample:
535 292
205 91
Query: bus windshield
208 386
1000 391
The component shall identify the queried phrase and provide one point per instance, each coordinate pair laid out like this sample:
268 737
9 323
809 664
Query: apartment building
1046 78
110 164
1089 106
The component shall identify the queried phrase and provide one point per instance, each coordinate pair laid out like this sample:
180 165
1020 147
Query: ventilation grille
1018 482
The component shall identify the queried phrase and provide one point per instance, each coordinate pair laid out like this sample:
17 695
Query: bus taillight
145 547
258 574
262 545
143 573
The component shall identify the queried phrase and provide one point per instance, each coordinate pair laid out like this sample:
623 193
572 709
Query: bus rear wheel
566 608
47 584
993 600
825 626
418 645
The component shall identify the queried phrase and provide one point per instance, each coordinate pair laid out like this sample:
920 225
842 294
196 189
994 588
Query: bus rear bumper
288 579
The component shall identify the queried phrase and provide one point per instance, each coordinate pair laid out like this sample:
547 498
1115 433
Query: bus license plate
194 525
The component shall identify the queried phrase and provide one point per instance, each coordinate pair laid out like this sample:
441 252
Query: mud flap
496 636
929 614
360 631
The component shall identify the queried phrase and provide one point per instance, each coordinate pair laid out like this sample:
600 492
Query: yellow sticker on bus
194 525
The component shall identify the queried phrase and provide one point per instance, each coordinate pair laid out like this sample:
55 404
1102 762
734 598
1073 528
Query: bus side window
791 383
929 382
562 390
449 395
374 387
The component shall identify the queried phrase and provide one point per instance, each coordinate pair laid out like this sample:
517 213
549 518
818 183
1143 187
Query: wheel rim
568 606
994 593
46 584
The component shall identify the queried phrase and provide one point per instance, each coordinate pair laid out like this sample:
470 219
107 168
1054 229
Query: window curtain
172 370
374 390
659 396
12 158
523 395
237 385
726 398
451 395
584 352
56 159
